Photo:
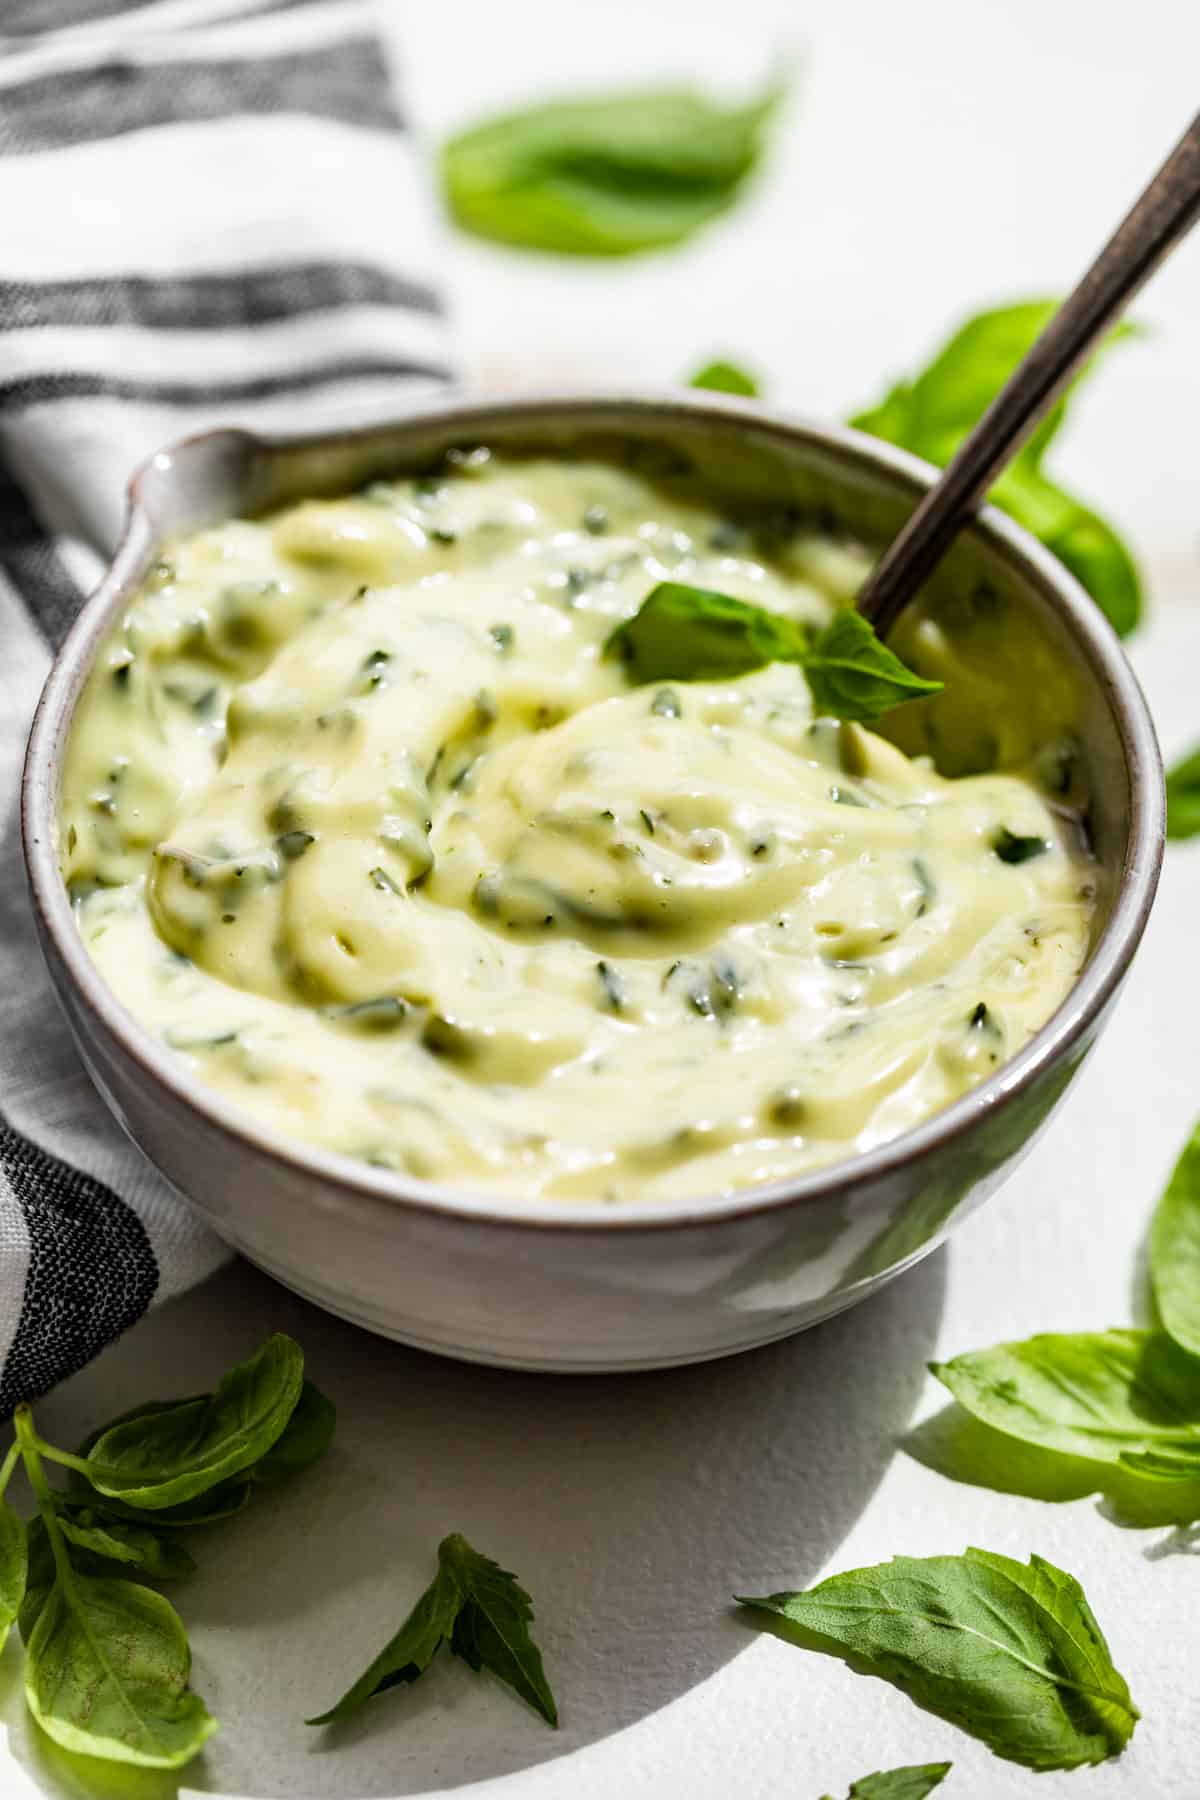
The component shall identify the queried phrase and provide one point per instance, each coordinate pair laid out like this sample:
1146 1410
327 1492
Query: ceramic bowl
554 1285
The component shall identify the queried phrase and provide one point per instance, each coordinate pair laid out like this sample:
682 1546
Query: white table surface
938 157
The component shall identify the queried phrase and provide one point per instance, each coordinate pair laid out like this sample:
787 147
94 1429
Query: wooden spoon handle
1163 215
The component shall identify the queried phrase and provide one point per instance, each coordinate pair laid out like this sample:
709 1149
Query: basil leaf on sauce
726 378
913 1782
607 176
1175 1253
1010 1652
853 674
481 1611
695 634
933 412
1124 1399
1183 797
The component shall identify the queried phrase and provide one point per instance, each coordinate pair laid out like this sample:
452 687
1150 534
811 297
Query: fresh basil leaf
853 674
933 413
14 1568
119 1541
910 1783
607 176
407 1655
1011 848
106 1674
165 1457
1175 1251
492 1629
1110 1397
482 1613
725 378
1183 797
304 1439
1009 1651
220 1502
695 634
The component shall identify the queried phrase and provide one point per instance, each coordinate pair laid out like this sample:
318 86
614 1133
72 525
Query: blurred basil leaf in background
606 176
726 378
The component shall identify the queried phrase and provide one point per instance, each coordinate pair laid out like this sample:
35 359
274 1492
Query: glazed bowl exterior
556 1285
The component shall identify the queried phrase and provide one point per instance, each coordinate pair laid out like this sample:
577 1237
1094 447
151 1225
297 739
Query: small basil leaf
1010 1652
1183 797
409 1653
220 1502
607 176
492 1629
166 1457
1175 1250
1011 848
14 1568
483 1614
725 378
934 412
106 1674
304 1439
119 1541
853 674
1107 1396
695 634
913 1782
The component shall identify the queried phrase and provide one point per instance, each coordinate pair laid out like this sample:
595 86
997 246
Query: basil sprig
1009 1651
933 412
695 634
607 176
481 1612
106 1658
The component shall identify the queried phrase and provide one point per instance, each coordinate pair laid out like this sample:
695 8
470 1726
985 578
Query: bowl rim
394 1192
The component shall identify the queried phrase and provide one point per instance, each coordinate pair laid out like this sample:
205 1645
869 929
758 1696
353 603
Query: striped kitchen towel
212 214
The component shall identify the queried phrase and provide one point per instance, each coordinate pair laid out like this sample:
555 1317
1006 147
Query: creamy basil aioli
360 822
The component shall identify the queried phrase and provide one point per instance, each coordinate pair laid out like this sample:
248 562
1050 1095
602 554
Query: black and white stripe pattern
212 214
